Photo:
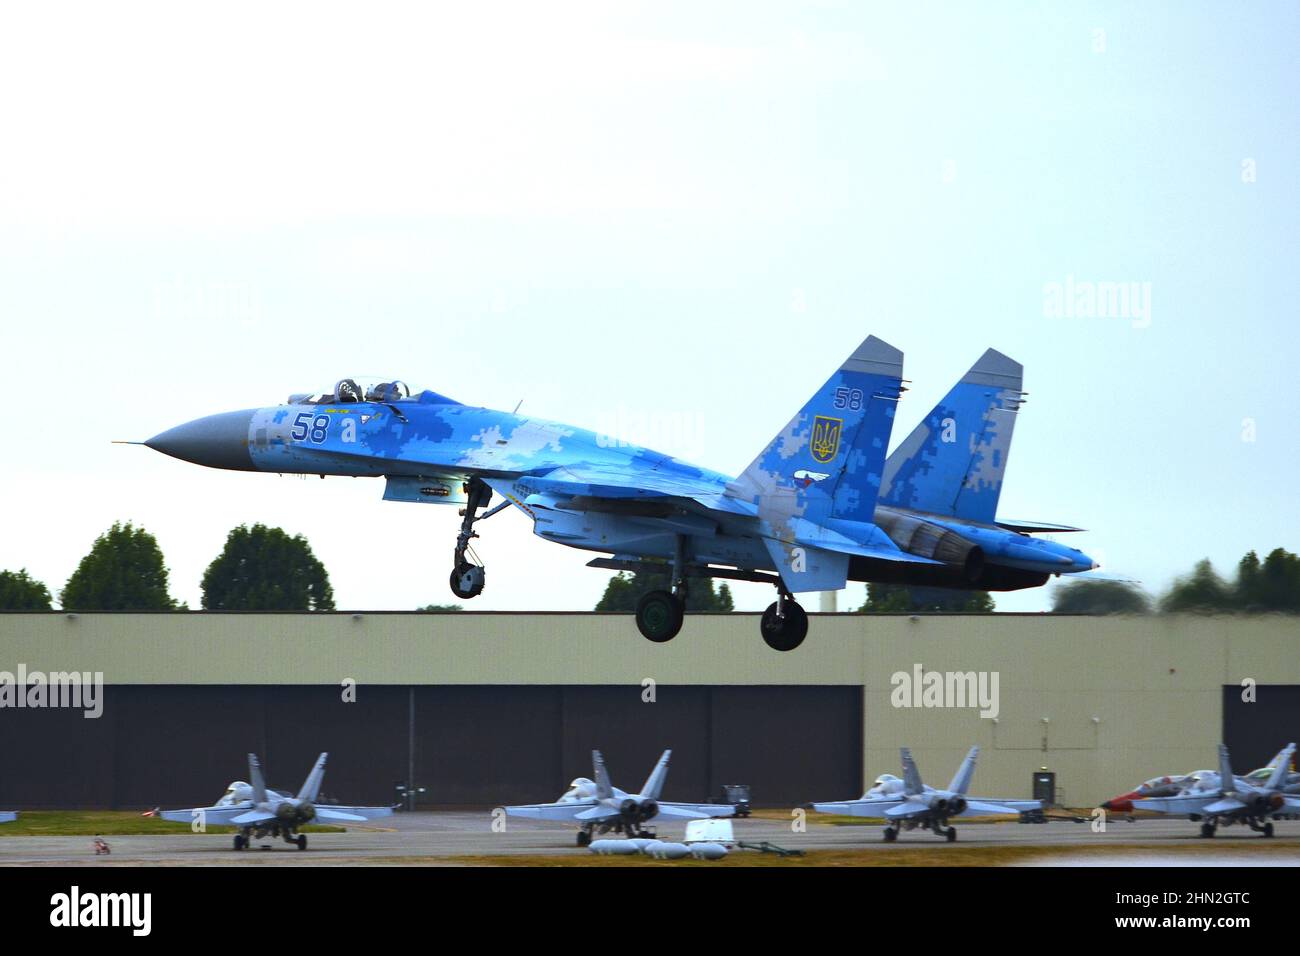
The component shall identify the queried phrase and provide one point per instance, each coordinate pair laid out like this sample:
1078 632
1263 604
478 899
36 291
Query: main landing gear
785 623
245 837
659 614
467 575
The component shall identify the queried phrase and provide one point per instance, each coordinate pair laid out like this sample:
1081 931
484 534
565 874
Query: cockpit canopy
367 388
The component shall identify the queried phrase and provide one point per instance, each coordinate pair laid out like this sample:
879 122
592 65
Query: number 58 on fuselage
818 507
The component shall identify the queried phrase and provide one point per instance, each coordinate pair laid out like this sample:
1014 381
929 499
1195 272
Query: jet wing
984 806
581 810
1226 805
352 814
210 816
858 808
1176 805
695 811
601 481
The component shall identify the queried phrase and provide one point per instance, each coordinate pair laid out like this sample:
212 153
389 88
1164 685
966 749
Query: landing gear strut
785 623
467 576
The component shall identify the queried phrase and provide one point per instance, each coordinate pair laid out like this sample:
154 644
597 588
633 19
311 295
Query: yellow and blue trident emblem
825 442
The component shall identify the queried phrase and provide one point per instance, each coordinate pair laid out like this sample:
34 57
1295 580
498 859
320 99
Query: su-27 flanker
597 806
1224 799
818 507
909 804
260 813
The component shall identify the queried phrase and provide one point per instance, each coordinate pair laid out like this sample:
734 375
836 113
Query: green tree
1271 586
264 569
19 592
124 571
1100 597
440 608
625 590
1202 590
883 598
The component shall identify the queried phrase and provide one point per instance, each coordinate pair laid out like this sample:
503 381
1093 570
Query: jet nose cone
217 441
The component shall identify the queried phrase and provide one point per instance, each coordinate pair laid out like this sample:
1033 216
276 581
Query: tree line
266 569
259 569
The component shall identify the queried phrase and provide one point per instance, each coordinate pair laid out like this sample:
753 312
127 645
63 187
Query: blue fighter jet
818 507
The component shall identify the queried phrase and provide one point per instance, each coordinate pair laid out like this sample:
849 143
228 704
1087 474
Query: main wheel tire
467 581
659 616
787 634
890 834
951 834
1268 829
1207 831
302 841
584 838
240 842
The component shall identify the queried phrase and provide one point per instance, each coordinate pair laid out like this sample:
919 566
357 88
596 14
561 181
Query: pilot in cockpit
347 392
388 392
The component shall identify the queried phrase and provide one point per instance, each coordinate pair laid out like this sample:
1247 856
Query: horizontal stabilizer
694 811
252 816
353 814
988 808
1029 527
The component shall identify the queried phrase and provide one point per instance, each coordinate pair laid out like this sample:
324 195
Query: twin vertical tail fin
604 788
1278 777
911 776
311 787
256 780
961 781
654 783
1227 781
953 461
828 459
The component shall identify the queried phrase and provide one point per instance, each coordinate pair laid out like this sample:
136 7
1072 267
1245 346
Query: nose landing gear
468 576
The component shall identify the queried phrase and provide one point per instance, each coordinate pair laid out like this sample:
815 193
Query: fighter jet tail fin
654 783
311 786
961 781
828 459
255 779
604 788
1283 767
912 784
953 461
1227 782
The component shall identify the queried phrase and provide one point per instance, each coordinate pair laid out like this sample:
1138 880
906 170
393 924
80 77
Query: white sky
664 213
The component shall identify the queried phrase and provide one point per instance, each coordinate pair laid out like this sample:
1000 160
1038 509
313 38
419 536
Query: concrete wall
1103 702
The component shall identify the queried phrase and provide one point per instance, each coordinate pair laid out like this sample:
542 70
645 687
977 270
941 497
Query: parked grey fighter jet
909 804
1236 801
599 807
259 812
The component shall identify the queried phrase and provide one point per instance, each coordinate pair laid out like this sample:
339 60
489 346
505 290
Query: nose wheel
467 581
